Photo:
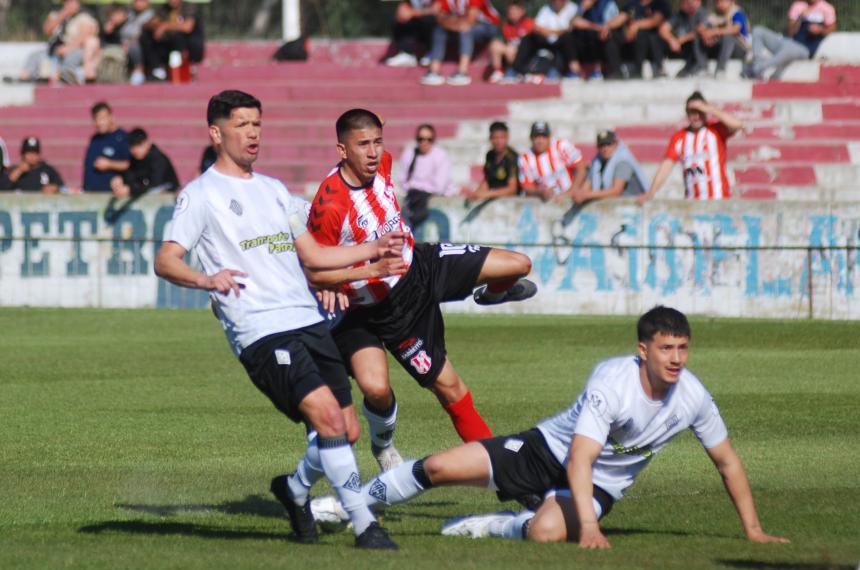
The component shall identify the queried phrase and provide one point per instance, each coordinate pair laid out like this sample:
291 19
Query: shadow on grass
179 529
255 505
759 565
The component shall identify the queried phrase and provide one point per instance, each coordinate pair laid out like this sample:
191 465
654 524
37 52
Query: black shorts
408 322
288 366
524 465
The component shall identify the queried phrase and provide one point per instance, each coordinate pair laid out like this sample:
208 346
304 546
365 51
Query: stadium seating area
802 138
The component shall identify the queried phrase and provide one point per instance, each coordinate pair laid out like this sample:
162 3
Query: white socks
308 472
381 424
396 485
512 528
340 468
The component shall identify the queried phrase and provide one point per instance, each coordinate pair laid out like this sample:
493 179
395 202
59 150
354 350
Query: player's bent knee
522 263
435 469
329 421
545 529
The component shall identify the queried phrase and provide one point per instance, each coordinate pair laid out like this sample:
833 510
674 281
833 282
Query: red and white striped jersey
344 215
553 167
703 156
488 12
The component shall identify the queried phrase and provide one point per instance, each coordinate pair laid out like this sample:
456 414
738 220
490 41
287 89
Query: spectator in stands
592 33
613 173
4 156
551 167
107 154
174 28
500 168
425 171
414 22
123 29
553 32
471 21
809 22
150 169
73 50
726 34
640 21
682 37
503 50
701 149
33 173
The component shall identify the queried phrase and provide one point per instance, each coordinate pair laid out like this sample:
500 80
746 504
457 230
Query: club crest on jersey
379 491
597 401
363 222
421 362
236 207
353 483
673 421
409 347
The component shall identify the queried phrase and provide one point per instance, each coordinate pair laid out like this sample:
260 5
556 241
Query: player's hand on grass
758 535
390 244
590 536
224 282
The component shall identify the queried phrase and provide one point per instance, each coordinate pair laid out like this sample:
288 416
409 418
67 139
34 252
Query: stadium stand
802 138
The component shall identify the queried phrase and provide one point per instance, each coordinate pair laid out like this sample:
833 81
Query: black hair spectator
150 169
176 27
107 154
412 32
500 167
32 174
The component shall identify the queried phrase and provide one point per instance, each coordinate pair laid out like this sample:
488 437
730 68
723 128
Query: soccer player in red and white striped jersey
701 150
356 203
551 167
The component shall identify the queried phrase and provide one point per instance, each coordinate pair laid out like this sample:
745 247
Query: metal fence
257 19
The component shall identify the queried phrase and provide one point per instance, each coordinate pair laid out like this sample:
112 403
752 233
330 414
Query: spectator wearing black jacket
640 21
150 170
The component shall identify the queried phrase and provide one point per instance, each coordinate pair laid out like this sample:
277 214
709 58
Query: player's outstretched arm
734 476
319 257
583 453
383 267
170 264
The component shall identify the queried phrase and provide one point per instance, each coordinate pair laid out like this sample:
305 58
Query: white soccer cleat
388 458
477 526
329 513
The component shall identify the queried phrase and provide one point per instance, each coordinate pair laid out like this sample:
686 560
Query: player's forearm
328 279
319 257
175 270
738 487
733 123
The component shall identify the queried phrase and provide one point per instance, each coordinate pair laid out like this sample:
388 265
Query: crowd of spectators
593 39
131 42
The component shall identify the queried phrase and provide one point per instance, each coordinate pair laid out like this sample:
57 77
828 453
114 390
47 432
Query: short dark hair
356 119
99 107
221 105
426 126
664 320
498 126
137 136
696 96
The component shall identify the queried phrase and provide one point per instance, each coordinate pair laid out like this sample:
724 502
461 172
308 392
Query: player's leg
457 400
370 370
502 276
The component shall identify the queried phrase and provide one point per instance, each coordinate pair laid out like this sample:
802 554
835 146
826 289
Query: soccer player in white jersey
582 459
249 235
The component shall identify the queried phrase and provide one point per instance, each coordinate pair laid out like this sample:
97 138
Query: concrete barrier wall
598 259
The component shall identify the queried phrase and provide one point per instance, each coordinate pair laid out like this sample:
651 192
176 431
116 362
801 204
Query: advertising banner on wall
733 258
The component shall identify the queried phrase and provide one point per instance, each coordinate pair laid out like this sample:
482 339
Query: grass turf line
134 439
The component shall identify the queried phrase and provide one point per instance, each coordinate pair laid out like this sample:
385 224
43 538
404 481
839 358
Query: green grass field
133 439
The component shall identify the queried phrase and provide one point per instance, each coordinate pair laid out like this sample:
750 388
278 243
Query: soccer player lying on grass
632 406
357 203
248 232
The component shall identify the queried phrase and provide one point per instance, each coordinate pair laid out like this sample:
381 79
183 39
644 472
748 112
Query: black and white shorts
409 322
288 366
522 465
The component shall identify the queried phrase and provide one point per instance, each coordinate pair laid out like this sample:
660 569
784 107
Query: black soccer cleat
375 537
301 518
520 291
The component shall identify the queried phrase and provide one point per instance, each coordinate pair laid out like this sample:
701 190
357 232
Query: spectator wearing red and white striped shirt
701 150
552 168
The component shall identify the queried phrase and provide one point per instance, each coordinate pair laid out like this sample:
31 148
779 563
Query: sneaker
534 78
387 457
301 517
425 61
402 59
137 77
720 75
459 79
596 75
375 537
497 76
523 289
329 513
478 526
431 78
159 73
